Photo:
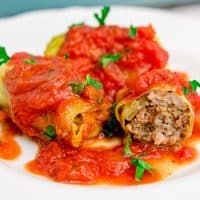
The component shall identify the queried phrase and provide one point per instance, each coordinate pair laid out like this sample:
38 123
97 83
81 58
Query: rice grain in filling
161 117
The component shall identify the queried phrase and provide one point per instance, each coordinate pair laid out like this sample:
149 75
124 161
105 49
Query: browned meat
161 117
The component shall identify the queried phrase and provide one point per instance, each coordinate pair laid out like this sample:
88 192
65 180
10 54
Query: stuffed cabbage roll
160 114
50 98
118 56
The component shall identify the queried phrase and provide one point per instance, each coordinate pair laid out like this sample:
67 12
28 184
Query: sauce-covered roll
51 99
119 57
160 114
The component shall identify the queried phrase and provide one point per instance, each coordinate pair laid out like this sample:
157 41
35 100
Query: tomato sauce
9 148
139 54
85 166
64 164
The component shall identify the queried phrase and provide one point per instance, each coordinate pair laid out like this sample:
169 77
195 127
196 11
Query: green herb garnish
193 86
107 59
77 87
3 56
132 31
76 24
96 84
101 18
141 165
50 132
30 61
186 91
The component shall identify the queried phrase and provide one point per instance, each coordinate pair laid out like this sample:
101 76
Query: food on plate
101 105
57 99
161 115
119 54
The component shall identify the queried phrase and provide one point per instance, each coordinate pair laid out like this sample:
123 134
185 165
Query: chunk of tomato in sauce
139 54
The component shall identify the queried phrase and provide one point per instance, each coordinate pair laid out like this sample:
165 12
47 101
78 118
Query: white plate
31 32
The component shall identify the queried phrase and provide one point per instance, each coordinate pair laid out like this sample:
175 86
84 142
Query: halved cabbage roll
161 115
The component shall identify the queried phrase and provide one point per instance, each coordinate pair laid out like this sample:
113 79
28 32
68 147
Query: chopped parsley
30 61
78 87
132 31
101 18
141 165
110 58
112 127
96 84
76 24
3 56
186 90
50 132
193 86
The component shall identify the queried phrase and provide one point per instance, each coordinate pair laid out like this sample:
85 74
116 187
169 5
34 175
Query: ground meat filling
161 117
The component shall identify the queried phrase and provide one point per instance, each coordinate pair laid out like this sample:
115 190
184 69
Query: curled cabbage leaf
160 116
54 45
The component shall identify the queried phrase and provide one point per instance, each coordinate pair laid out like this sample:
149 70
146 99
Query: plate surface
31 32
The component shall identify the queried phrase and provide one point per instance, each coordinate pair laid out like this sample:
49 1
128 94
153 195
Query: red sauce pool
86 166
9 148
83 166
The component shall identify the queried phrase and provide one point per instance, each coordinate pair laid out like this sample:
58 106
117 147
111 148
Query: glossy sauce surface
9 148
91 167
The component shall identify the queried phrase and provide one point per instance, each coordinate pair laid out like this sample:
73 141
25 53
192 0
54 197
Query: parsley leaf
96 84
102 16
193 86
186 90
132 31
50 132
107 59
3 56
30 61
77 88
141 167
139 173
76 24
127 146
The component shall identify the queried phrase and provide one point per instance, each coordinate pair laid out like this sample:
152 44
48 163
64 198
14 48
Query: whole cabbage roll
47 99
